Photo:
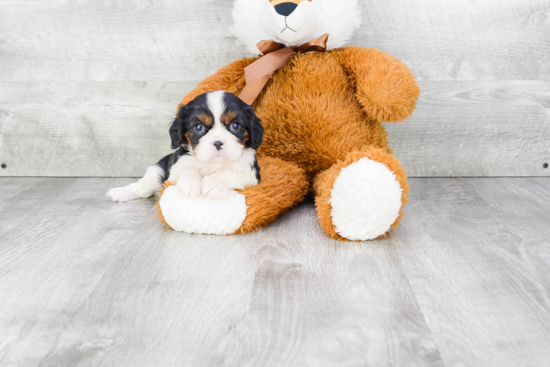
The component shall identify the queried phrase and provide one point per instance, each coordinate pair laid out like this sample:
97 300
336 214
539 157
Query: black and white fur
216 137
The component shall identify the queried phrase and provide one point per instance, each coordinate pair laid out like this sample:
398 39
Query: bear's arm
385 87
230 78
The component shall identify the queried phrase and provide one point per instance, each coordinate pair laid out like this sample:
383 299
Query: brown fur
246 138
166 185
324 182
283 185
205 119
228 117
322 112
187 138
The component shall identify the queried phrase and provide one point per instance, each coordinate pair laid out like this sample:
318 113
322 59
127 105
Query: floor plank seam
419 306
115 259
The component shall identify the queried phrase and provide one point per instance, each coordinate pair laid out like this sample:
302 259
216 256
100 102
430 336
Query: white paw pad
201 214
365 200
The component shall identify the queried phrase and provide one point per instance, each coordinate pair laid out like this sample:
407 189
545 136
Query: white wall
88 87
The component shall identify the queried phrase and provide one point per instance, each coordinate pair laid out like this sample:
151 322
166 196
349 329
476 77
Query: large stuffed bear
321 105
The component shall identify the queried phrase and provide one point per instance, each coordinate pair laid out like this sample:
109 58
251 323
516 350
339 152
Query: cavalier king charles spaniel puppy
216 137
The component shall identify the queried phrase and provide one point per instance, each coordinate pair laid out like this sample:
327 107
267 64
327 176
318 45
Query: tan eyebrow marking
205 119
228 117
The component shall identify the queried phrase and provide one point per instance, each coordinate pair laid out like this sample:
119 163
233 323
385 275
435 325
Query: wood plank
462 281
117 129
524 206
475 63
462 40
12 186
476 128
85 129
476 254
52 258
135 40
30 195
187 40
284 296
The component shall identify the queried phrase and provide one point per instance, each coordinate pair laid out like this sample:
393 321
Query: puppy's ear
177 129
175 133
256 128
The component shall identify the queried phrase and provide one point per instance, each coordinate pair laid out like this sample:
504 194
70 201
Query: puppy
216 137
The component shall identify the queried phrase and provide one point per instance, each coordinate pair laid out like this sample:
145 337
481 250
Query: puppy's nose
218 145
285 9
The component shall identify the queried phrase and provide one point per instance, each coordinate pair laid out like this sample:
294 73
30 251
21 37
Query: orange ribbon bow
276 56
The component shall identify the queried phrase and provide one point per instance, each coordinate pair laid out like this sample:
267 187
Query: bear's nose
285 9
218 144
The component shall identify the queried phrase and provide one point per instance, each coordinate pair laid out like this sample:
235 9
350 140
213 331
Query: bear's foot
200 214
365 200
282 186
361 198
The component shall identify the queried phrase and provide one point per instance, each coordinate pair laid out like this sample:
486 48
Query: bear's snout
286 9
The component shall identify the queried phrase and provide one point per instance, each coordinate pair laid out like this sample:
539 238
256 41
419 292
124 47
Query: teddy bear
322 104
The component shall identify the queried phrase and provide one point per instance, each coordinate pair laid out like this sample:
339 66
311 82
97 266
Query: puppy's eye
199 128
234 126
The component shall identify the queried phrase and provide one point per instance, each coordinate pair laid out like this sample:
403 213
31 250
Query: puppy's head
217 125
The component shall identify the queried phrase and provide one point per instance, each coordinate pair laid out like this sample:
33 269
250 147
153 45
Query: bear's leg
282 186
361 197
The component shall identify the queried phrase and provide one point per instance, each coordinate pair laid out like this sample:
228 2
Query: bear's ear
178 128
256 128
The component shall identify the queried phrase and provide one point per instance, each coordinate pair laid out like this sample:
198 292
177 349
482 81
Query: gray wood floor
464 281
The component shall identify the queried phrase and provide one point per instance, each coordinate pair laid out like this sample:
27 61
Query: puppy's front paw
214 188
121 194
189 186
